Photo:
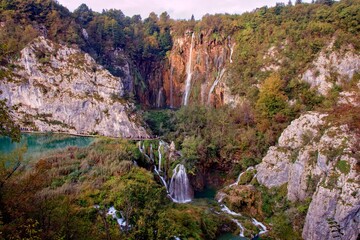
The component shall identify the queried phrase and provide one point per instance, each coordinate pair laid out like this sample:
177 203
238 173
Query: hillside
271 96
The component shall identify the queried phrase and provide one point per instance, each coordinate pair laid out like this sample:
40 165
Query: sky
177 9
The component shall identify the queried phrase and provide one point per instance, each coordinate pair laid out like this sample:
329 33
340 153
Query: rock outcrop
57 88
321 162
332 67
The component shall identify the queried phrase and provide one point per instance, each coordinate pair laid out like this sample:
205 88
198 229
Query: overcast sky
177 9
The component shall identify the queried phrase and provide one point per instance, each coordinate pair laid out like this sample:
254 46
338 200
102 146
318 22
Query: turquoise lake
38 143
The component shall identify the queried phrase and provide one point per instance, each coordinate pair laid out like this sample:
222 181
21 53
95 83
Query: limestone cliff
198 64
319 161
57 88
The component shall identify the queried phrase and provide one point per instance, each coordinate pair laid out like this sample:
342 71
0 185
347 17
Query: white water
188 72
216 82
159 97
160 154
242 229
226 210
231 52
239 177
171 87
162 179
260 225
121 221
180 189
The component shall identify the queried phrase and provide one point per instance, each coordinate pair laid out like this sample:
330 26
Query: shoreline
92 136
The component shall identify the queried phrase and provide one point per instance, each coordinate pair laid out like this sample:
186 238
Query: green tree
7 125
272 98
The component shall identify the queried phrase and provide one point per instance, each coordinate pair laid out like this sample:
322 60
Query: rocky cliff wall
195 54
320 162
57 88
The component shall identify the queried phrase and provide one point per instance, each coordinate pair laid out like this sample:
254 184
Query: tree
272 98
298 2
7 125
325 2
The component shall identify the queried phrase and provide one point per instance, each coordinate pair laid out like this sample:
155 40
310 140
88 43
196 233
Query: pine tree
289 3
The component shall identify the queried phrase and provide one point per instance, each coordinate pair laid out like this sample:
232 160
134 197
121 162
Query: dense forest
54 197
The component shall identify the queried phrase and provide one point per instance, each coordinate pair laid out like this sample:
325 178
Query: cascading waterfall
188 72
260 225
180 189
171 86
159 98
231 52
226 210
216 82
239 177
160 154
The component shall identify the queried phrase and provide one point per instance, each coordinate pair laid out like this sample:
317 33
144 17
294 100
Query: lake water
38 143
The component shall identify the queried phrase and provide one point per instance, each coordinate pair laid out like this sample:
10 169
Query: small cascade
231 52
180 189
226 210
151 153
121 221
161 143
217 80
188 72
162 179
260 225
239 177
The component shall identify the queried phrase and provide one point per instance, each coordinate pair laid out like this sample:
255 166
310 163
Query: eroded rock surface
320 162
57 88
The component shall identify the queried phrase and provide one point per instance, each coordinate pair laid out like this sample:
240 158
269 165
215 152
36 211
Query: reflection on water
38 144
230 236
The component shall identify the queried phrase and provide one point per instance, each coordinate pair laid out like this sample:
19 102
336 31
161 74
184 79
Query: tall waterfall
231 52
217 80
180 189
188 72
171 86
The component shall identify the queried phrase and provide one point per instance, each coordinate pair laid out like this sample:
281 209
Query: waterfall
163 181
188 72
231 52
160 155
226 210
217 80
239 177
159 98
180 189
260 225
121 221
171 86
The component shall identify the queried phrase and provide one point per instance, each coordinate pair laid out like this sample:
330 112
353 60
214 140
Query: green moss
343 166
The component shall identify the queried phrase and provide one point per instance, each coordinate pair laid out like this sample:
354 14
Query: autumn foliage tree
272 98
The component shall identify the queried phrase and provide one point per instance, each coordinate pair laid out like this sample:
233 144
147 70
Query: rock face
320 162
57 88
341 65
209 61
